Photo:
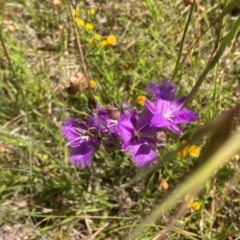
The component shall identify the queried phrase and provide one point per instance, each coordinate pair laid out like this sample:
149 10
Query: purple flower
109 116
168 114
138 137
108 121
168 110
82 139
164 91
127 129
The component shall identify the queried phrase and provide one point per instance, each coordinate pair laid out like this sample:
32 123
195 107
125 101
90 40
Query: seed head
160 137
163 184
187 2
76 84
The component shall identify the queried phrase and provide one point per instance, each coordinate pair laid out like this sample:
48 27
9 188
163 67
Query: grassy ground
42 196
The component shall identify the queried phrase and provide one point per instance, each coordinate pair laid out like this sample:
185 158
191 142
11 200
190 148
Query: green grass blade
211 162
215 59
182 42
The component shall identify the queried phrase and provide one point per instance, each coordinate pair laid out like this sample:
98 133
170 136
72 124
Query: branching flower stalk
79 45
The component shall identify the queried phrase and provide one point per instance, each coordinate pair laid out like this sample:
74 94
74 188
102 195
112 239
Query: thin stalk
79 45
182 41
224 12
228 38
19 87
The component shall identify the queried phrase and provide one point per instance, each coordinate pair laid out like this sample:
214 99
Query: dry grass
42 196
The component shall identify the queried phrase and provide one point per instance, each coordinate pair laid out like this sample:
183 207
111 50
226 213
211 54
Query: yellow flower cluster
110 40
191 203
192 150
92 83
141 100
92 11
195 206
80 22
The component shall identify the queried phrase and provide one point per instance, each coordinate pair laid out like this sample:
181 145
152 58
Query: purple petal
95 122
184 116
143 155
134 117
134 145
164 91
83 154
180 102
69 128
166 106
173 127
151 107
74 142
102 113
159 120
143 125
106 123
126 107
150 139
126 126
144 119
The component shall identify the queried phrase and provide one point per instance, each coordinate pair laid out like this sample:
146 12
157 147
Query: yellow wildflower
193 150
97 36
92 83
92 11
191 204
96 97
182 153
195 206
111 40
104 43
80 22
89 26
141 99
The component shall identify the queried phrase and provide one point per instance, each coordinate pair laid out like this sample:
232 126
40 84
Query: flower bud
200 9
163 184
160 137
76 83
187 2
56 3
113 112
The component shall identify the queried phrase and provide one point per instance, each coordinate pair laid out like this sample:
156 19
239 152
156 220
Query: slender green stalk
182 42
224 12
229 37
